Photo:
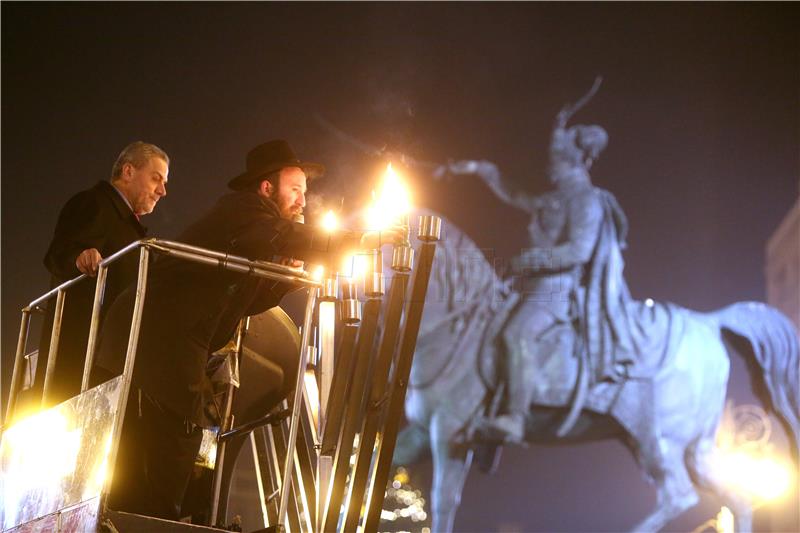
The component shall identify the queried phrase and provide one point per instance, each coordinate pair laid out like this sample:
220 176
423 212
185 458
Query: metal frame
362 386
146 246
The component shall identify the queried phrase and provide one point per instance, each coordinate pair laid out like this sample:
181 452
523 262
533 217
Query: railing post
296 407
226 425
127 373
19 366
94 326
55 334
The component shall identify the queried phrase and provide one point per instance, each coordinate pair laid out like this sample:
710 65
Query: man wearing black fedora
192 310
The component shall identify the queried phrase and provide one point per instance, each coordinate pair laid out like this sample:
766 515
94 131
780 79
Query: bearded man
192 310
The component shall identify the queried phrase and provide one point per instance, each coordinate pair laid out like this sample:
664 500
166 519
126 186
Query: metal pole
377 395
231 262
257 462
352 414
429 233
373 289
55 333
227 424
127 372
270 450
19 366
296 407
94 326
293 518
343 369
327 327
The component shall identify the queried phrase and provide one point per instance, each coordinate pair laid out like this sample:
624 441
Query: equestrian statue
559 351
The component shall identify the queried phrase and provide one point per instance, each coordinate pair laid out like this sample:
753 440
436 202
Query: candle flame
329 222
392 201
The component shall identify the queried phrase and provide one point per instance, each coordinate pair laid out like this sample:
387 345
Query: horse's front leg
451 464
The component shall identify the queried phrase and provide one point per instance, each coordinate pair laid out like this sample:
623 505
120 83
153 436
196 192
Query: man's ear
127 171
266 188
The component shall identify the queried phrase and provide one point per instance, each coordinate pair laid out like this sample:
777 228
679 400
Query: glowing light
391 201
354 267
312 393
38 453
724 521
317 273
329 222
407 502
756 476
401 476
649 302
100 474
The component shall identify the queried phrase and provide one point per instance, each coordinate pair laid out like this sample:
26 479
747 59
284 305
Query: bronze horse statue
668 419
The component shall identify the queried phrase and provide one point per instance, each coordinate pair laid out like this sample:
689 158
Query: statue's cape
623 337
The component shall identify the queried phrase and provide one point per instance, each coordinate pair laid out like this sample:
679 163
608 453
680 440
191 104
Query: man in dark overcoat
192 310
93 225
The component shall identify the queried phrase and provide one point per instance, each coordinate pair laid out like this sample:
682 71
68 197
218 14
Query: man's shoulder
245 201
92 197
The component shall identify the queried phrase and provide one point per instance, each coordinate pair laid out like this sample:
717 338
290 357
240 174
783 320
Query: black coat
191 310
94 218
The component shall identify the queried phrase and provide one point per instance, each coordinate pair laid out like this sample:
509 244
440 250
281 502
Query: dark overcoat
95 218
192 310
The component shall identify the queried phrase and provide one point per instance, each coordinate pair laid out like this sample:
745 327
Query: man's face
145 185
291 194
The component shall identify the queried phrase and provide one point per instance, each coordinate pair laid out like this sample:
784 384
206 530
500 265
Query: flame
329 222
392 201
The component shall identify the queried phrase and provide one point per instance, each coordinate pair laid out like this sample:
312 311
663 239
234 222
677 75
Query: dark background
700 102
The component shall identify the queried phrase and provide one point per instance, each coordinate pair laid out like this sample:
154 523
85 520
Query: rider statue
571 275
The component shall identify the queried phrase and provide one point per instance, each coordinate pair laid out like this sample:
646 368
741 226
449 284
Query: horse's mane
461 277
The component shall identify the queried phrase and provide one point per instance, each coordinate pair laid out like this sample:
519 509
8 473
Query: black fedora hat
270 157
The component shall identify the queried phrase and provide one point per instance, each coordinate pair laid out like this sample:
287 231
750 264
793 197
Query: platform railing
145 247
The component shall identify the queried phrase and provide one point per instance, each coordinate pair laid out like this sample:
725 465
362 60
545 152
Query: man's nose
301 200
161 190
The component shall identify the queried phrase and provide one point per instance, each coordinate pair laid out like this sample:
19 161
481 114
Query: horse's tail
773 347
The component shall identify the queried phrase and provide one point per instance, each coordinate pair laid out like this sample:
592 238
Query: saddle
565 376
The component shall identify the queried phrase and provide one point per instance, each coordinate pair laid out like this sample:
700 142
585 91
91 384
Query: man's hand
375 239
288 261
88 260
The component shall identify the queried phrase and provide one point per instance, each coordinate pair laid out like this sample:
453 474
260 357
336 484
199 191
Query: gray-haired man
92 225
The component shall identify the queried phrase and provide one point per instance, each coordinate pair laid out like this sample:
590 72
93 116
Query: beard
287 209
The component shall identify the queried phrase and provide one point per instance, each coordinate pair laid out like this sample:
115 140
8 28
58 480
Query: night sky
701 103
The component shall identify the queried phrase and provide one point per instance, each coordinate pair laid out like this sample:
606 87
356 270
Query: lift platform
320 404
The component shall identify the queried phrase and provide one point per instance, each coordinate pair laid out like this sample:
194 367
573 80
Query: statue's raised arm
491 176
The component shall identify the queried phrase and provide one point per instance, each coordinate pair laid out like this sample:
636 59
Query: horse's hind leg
412 442
675 493
699 461
450 467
